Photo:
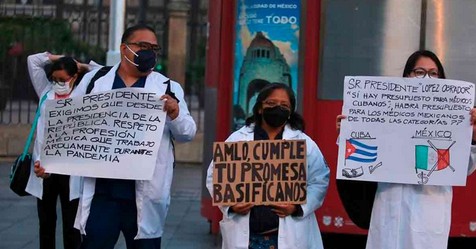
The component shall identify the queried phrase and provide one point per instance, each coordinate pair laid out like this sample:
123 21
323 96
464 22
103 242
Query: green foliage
161 65
38 34
196 69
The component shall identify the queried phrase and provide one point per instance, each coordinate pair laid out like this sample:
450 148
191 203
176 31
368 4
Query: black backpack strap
101 72
171 94
169 91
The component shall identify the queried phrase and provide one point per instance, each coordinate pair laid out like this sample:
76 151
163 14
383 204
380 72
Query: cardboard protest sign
113 134
259 172
406 130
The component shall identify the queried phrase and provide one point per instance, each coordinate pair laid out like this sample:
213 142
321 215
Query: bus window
372 37
450 33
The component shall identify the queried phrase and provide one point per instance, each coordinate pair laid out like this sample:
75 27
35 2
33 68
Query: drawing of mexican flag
430 158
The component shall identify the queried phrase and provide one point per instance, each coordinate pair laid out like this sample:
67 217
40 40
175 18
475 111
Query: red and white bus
339 38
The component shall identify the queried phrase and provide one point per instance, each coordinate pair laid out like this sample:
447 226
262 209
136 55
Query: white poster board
405 130
113 134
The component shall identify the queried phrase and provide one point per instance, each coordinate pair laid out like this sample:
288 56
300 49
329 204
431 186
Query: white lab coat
294 232
406 216
152 196
42 86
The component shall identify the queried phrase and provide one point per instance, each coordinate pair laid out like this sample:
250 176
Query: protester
285 225
407 216
65 74
135 208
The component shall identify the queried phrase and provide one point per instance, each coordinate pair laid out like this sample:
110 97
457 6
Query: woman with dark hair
64 73
407 216
423 64
274 117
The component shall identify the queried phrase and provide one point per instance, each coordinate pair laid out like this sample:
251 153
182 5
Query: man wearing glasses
137 208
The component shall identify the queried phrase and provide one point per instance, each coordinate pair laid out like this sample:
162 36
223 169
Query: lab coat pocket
429 211
232 235
302 230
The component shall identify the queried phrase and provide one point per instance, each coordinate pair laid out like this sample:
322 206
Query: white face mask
61 89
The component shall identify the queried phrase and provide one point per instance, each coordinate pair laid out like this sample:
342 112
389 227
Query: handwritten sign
113 134
405 130
259 172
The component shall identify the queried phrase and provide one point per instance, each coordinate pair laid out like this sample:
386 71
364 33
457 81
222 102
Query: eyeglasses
272 103
146 46
421 73
60 82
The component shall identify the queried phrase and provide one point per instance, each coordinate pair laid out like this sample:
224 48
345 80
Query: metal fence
81 30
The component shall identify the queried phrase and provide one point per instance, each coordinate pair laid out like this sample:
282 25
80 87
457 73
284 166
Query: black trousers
107 219
54 186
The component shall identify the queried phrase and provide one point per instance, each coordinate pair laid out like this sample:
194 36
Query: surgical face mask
62 88
144 60
276 116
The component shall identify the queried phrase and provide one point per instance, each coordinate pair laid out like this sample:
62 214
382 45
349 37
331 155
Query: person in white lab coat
66 73
276 226
137 208
408 216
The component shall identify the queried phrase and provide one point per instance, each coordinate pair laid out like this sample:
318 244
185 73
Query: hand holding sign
242 208
338 122
40 171
170 106
473 122
283 210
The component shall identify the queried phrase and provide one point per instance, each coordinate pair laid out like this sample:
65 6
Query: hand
338 121
54 57
472 119
283 210
40 171
170 106
241 208
82 67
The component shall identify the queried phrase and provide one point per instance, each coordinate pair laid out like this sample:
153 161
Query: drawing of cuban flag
359 151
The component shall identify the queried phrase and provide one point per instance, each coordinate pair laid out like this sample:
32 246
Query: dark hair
255 86
295 120
130 31
69 65
412 60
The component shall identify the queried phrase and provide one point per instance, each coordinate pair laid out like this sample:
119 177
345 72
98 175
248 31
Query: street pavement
184 228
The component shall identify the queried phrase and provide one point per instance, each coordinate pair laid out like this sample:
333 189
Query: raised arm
36 70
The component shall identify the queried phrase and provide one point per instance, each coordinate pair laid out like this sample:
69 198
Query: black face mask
276 116
144 60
